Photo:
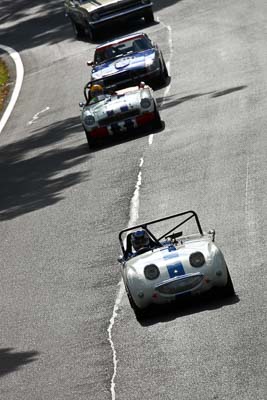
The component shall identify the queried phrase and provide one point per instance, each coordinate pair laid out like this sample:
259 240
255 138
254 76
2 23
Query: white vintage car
119 113
171 263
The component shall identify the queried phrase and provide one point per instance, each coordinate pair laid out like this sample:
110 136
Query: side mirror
81 104
90 63
120 259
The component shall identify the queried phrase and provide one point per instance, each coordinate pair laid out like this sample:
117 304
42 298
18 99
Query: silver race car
117 113
160 263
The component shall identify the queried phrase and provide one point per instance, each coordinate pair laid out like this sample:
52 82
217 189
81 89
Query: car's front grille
179 285
118 117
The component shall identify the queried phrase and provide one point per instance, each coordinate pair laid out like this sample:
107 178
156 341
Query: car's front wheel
164 75
91 33
77 29
91 141
157 122
227 290
149 17
139 312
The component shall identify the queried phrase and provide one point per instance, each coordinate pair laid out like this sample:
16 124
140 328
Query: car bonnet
172 260
92 5
115 104
132 62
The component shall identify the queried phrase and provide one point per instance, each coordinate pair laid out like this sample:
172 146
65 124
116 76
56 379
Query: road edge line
19 79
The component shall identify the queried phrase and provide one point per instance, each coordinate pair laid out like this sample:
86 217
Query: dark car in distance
88 16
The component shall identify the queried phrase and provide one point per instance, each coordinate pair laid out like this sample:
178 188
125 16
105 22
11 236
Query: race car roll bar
157 240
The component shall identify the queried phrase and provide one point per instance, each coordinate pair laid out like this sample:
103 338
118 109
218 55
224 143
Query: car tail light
99 132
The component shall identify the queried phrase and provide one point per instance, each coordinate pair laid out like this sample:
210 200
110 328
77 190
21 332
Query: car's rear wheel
149 17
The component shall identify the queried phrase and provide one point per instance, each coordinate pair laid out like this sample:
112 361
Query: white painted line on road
134 213
111 323
19 79
134 210
36 116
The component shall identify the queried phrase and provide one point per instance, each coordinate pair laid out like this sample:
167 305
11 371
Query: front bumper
111 16
172 289
122 127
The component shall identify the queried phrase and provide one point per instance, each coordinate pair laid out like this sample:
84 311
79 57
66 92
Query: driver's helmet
96 90
139 239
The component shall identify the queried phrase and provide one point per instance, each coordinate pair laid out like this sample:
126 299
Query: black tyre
91 141
91 33
77 29
149 17
163 74
227 290
157 122
139 312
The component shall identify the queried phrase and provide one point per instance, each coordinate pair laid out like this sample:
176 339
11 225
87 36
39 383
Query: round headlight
89 120
151 272
145 103
197 259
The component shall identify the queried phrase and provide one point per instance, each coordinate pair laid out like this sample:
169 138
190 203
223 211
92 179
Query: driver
140 239
96 91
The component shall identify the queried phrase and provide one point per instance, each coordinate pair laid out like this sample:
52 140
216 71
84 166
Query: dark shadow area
188 306
121 29
31 179
170 101
40 22
11 361
33 24
157 86
228 91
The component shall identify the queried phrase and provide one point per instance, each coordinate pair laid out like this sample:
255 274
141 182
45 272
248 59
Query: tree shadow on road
171 101
33 170
40 22
11 361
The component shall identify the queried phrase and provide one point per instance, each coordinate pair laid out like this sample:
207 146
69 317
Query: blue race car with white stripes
128 60
160 263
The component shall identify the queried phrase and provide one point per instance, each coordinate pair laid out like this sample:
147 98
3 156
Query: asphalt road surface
67 330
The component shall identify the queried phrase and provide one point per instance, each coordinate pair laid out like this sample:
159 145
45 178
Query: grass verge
4 78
